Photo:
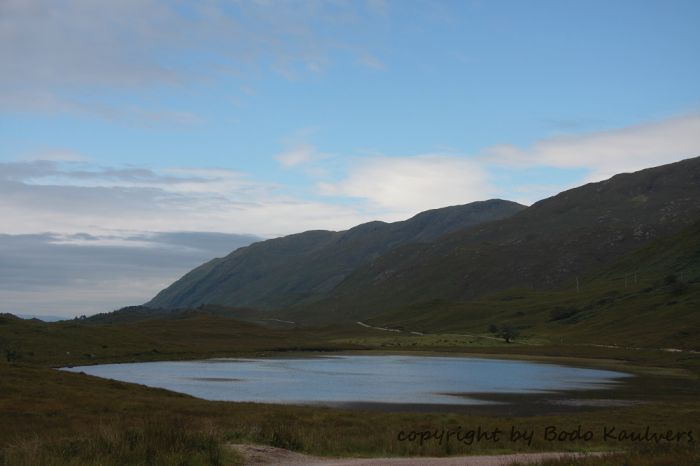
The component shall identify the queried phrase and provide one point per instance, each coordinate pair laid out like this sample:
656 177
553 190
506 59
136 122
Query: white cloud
114 206
62 56
67 197
407 185
398 186
300 154
606 153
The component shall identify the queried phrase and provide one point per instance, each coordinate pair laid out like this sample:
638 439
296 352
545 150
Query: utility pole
578 289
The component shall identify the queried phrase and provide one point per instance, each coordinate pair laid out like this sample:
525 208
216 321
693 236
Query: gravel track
256 455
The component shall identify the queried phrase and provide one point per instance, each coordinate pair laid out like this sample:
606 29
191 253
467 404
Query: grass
78 419
59 418
192 336
157 442
649 314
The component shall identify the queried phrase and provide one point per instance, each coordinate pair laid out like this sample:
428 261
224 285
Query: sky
140 138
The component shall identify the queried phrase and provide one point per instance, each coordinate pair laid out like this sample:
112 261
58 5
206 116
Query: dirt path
470 335
266 455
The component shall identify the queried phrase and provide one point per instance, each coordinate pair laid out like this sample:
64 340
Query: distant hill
545 246
42 317
131 314
300 269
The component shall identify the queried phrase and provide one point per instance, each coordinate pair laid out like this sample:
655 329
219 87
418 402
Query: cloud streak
68 197
299 154
57 57
408 184
76 196
605 153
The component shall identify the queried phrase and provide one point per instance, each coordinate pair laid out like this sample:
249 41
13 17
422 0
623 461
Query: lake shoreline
553 401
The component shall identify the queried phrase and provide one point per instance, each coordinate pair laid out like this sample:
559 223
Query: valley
605 276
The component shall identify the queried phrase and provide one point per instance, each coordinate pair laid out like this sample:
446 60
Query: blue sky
145 117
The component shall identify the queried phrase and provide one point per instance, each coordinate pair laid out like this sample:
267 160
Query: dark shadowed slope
543 247
302 268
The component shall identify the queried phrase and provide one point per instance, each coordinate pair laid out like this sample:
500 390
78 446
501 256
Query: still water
354 379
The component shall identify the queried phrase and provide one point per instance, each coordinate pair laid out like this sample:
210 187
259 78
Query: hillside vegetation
458 254
648 299
545 247
301 268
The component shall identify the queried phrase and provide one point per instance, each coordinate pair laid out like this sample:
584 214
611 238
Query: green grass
53 417
649 314
193 336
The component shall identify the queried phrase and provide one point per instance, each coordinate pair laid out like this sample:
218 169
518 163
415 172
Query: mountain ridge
541 247
322 276
300 268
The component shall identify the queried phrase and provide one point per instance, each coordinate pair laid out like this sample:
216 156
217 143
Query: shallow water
341 380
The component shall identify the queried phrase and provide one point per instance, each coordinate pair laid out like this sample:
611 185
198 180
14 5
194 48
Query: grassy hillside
649 298
185 335
300 268
544 247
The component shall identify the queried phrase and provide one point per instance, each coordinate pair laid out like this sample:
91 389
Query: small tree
508 332
505 331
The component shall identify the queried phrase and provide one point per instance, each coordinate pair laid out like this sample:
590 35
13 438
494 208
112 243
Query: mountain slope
545 246
647 298
302 268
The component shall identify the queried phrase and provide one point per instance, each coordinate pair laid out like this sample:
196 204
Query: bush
505 331
675 285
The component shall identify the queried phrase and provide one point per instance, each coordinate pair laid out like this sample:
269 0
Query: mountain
454 254
648 298
42 317
545 246
301 269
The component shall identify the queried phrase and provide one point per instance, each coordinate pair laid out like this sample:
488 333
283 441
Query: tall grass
165 443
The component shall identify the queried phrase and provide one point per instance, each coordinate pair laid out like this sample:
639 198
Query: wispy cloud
62 57
605 153
371 61
67 197
101 253
70 196
299 154
409 184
